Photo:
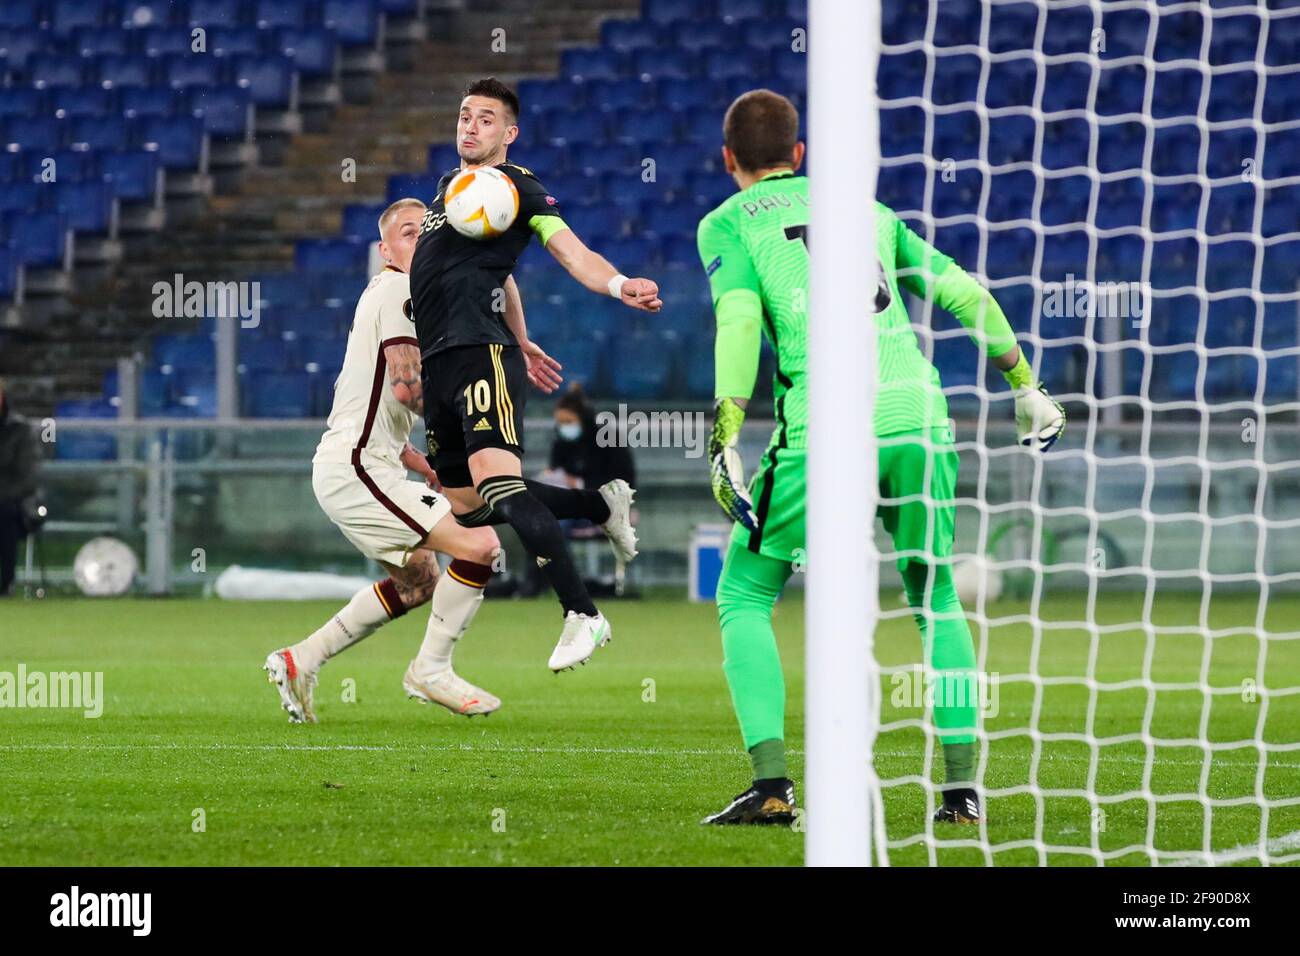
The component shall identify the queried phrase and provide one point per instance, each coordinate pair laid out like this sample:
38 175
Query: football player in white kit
359 474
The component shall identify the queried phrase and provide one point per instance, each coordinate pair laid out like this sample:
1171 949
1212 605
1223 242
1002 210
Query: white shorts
382 512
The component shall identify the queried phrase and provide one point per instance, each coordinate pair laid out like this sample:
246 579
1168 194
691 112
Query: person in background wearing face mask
19 461
577 458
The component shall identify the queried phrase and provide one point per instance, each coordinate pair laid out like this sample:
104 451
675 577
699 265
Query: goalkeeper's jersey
756 240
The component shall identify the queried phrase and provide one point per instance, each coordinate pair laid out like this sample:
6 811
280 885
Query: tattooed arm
404 375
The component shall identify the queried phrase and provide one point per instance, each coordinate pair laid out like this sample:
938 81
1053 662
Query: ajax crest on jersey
481 203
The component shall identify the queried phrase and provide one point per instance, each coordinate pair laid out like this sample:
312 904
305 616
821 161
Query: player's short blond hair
391 212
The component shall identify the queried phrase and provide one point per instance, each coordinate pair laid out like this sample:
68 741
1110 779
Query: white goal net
1125 178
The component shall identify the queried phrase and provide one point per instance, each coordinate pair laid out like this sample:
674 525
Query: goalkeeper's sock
959 763
567 503
540 533
949 650
369 609
747 591
768 757
456 599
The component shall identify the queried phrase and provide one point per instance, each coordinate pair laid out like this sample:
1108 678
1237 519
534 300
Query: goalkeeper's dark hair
761 129
491 87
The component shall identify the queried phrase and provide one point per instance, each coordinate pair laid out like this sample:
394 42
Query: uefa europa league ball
481 203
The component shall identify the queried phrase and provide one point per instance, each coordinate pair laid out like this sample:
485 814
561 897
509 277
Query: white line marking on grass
1247 851
617 751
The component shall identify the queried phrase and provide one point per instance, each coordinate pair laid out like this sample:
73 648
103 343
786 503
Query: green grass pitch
614 763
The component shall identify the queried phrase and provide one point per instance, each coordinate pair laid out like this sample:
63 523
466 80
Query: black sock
570 502
540 533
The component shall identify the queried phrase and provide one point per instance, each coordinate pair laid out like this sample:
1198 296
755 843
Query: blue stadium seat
235 41
264 355
674 11
323 353
624 36
576 127
597 224
98 42
652 129
180 352
20 13
421 186
218 13
314 51
99 132
132 175
354 22
734 11
168 41
641 364
443 156
85 446
361 220
703 128
343 288
682 95
141 14
284 289
181 141
700 36
187 71
226 111
82 101
17 45
281 13
331 255
154 392
149 101
1282 156
67 16
271 79
40 133
278 394
20 101
593 64
50 70
1281 98
124 71
9 267
659 65
194 395
776 34
624 95
66 165
543 96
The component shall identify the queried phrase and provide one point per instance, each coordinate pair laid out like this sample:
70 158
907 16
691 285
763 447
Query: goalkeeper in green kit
754 250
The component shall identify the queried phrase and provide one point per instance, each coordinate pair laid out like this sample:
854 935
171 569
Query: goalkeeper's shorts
917 473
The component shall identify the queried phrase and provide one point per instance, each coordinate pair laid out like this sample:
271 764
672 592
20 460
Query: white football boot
445 688
581 636
294 684
618 494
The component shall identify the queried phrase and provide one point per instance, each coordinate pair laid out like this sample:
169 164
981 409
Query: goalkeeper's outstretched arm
1040 419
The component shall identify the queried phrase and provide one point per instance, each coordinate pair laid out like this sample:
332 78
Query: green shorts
910 472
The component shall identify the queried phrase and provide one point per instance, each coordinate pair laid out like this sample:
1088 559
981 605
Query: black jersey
456 282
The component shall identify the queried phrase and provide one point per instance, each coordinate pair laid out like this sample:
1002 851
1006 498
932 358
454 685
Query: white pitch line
617 751
1247 851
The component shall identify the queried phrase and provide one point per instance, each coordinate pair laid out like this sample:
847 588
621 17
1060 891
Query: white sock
361 617
456 599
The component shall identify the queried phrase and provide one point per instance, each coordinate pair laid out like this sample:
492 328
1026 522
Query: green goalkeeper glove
724 462
1040 419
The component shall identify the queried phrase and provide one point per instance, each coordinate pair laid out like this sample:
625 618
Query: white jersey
368 426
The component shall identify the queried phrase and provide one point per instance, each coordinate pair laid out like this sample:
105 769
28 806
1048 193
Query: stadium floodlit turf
193 762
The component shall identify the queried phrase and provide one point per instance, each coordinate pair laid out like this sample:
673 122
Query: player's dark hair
761 129
491 87
575 400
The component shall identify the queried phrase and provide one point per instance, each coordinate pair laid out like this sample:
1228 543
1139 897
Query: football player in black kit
476 357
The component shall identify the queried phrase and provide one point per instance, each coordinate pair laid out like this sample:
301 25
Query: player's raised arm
543 371
926 271
595 272
739 312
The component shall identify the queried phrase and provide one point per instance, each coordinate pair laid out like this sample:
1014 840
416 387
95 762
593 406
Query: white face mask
569 431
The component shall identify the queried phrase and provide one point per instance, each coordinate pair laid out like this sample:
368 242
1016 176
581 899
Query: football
481 203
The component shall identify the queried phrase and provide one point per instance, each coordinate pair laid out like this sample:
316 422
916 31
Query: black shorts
473 398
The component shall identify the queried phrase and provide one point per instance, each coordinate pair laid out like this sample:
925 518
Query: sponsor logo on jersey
551 200
713 266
